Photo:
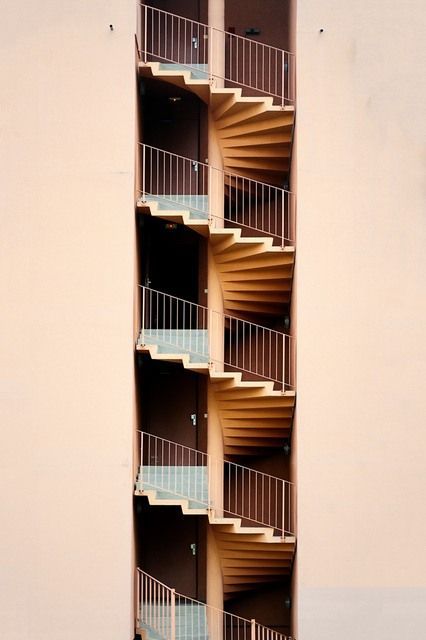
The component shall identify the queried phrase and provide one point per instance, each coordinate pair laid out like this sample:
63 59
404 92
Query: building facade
160 478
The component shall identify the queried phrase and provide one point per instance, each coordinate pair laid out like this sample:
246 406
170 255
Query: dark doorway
170 258
174 403
172 547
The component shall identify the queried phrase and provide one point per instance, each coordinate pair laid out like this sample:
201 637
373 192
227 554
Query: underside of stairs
249 555
253 415
254 134
250 559
256 276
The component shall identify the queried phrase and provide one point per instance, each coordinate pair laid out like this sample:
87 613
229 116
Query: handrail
165 36
209 336
226 488
250 204
173 616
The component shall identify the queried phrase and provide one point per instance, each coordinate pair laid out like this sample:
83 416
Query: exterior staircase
255 131
252 243
255 414
164 614
251 513
254 134
190 341
255 263
256 276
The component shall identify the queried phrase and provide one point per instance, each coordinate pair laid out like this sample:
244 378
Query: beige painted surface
214 573
361 319
66 323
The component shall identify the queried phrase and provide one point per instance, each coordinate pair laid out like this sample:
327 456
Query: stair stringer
255 136
256 276
267 413
249 555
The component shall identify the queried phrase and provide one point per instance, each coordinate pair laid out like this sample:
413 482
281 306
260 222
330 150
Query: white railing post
210 53
138 598
143 173
252 629
143 317
209 192
173 614
144 17
209 482
141 457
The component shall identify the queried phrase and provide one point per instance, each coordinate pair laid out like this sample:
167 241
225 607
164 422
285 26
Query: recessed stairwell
255 131
164 614
248 366
252 244
173 329
251 513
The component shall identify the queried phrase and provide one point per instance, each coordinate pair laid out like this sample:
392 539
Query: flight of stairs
255 137
249 555
253 414
254 134
175 483
256 276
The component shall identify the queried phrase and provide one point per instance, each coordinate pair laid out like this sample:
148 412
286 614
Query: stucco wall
66 265
361 319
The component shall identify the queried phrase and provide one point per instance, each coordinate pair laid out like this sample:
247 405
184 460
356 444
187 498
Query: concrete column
217 40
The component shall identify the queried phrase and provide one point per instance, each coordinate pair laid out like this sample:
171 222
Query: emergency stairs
255 137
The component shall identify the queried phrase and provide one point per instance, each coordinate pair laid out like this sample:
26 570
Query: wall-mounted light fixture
174 99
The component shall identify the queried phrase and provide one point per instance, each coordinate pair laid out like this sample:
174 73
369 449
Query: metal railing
173 616
185 183
226 488
212 337
196 46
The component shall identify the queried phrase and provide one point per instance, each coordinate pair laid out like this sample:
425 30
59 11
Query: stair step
197 71
178 341
176 483
196 206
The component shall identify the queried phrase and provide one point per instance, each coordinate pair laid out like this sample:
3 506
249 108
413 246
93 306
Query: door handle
193 548
195 42
194 419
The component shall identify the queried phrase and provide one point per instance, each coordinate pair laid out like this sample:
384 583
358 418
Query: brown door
173 548
171 404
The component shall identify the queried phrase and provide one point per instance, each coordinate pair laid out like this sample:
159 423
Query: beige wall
66 323
361 320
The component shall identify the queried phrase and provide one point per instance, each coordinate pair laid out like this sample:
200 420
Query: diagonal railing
226 488
177 326
187 184
166 37
170 615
